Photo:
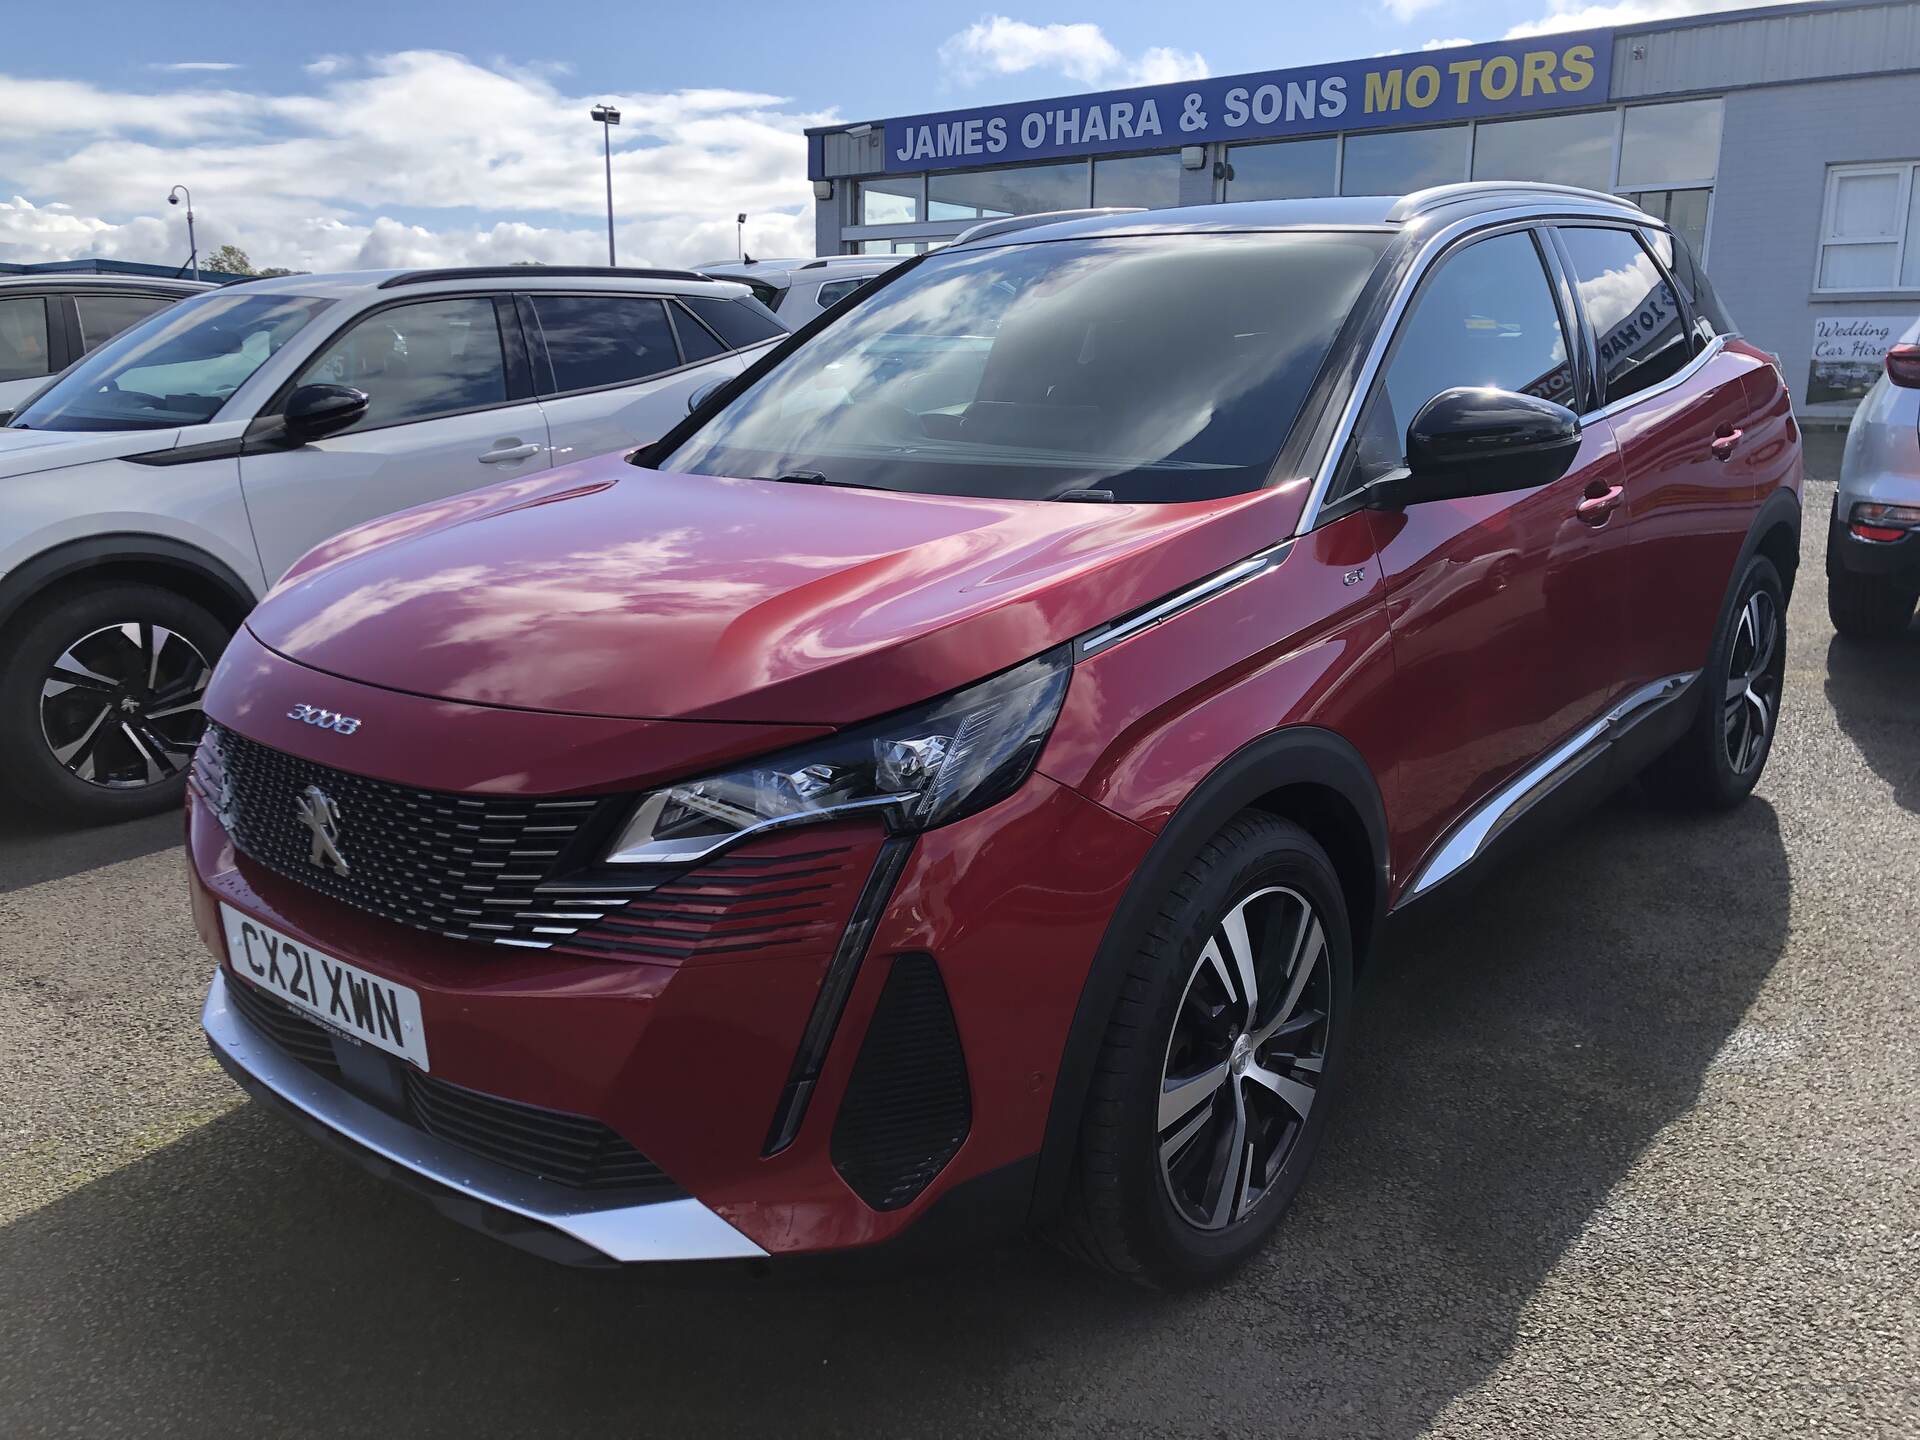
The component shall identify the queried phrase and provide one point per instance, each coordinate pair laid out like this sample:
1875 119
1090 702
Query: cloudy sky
418 132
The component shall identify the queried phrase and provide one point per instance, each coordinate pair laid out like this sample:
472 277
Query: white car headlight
917 769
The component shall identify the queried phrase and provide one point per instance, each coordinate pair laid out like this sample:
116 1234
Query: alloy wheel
120 707
1246 1057
1756 666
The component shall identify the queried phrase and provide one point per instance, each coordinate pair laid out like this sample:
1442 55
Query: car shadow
1875 694
1518 1049
35 849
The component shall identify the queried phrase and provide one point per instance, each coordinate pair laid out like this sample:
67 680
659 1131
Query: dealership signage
1508 77
1848 353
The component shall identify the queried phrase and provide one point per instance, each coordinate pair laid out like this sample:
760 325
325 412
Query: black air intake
907 1107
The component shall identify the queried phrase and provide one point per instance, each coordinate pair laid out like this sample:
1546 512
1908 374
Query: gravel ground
1632 1148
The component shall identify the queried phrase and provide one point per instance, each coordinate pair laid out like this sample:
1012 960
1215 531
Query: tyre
100 695
1214 1077
1864 607
1718 761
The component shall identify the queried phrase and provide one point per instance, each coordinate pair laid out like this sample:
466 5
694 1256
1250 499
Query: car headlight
917 769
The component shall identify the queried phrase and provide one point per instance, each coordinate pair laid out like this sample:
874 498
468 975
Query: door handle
1725 443
508 454
1600 504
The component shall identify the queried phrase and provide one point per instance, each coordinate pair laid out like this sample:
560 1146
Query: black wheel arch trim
1781 508
1294 755
20 586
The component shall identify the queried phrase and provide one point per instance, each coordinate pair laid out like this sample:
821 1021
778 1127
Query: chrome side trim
1679 377
1471 837
1217 583
671 1230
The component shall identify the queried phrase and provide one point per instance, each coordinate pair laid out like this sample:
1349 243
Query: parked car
49 320
955 784
158 489
798 290
1873 535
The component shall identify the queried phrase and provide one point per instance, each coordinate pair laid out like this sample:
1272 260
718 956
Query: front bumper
518 1208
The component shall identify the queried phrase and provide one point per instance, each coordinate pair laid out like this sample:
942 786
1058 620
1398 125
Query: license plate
344 997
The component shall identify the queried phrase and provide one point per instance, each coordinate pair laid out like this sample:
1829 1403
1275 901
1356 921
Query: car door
450 407
1682 409
616 371
1503 608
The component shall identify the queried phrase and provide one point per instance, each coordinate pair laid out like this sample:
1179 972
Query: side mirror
314 411
1481 442
704 393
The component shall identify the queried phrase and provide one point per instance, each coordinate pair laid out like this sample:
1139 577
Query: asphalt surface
1632 1147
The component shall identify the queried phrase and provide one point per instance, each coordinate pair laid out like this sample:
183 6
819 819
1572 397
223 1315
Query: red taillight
1877 532
1903 366
1872 520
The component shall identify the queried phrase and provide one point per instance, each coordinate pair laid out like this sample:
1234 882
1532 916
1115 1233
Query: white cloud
998 45
1451 43
1572 15
199 65
327 64
314 181
1407 9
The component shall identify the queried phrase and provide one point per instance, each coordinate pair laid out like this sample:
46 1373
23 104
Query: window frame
1703 348
1340 501
1908 172
513 352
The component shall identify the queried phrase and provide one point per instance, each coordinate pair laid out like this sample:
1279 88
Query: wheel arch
1775 533
1301 773
127 556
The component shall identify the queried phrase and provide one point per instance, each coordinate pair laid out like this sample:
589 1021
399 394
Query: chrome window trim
1679 377
1470 838
666 1230
1218 583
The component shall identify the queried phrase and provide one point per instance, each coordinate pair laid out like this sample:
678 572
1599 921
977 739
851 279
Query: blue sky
356 133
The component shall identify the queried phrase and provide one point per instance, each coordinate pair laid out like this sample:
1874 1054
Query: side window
434 357
738 322
1709 315
104 316
834 291
596 340
1485 317
23 338
696 341
1637 321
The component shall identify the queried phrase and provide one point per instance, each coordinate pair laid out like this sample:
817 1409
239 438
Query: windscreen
176 368
1148 368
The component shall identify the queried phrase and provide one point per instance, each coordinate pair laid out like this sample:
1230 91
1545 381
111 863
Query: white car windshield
178 368
1136 368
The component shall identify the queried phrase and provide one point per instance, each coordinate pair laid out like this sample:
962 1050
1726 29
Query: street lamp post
608 117
193 248
740 235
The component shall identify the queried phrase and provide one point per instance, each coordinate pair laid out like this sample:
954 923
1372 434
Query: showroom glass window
1020 190
1286 170
1398 161
596 340
1149 181
1637 320
433 357
1563 149
1486 316
1870 228
890 201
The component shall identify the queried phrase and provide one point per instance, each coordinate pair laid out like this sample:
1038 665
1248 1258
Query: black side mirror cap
314 411
1471 441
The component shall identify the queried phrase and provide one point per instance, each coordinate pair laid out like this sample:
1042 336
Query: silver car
150 495
1873 538
800 289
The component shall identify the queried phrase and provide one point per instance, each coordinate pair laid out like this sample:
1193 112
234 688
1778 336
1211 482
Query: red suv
956 776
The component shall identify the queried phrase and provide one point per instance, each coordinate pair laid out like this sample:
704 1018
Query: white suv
158 488
801 289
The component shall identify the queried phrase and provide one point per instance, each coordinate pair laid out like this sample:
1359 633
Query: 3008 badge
326 719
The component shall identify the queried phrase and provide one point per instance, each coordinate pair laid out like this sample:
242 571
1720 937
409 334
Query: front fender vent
908 1107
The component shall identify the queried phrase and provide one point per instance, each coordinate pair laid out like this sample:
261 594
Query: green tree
228 260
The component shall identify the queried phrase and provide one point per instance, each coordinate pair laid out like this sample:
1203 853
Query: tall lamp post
608 117
193 248
740 235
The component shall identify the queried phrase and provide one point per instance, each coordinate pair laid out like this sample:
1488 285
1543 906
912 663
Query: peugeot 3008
956 775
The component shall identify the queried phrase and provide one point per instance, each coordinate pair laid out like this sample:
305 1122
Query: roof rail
1419 202
517 272
1046 217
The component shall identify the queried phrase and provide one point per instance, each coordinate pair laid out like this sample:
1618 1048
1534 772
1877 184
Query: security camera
173 199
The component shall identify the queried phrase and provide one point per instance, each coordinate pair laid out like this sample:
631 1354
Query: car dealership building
1783 142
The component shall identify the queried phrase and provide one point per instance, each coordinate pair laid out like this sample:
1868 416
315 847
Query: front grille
462 866
908 1107
571 1150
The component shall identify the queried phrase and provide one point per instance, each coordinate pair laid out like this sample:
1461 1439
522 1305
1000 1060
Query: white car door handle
509 454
